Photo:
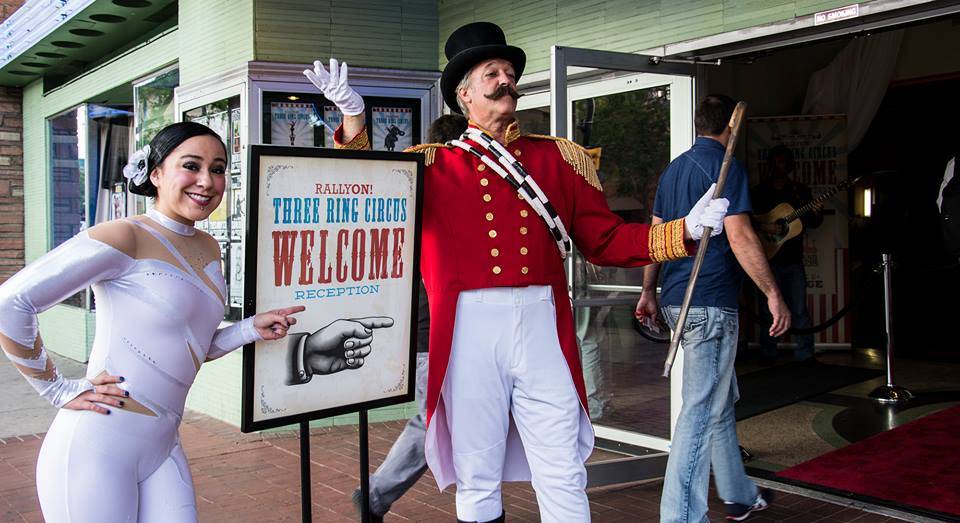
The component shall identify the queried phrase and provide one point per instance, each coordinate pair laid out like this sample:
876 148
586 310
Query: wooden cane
735 120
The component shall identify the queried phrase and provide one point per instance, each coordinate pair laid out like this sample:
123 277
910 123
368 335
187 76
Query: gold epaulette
429 151
577 157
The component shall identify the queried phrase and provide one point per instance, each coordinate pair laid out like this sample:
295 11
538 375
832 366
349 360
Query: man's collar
513 130
708 141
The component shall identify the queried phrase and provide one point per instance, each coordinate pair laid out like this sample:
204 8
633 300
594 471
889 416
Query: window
153 100
68 157
155 109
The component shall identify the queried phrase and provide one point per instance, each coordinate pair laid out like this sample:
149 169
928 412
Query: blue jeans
792 280
706 432
406 461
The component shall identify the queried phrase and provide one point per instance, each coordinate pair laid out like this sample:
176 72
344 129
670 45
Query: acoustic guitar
783 223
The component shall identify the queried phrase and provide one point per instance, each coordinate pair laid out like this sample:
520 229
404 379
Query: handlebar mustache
503 90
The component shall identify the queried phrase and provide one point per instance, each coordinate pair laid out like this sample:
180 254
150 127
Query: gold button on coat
523 251
496 269
494 252
484 182
482 167
519 196
487 197
517 152
492 233
524 270
523 213
489 216
523 230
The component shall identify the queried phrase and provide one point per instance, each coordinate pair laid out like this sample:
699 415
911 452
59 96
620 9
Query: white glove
707 212
334 86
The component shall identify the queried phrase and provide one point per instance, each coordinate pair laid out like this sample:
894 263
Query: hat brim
460 65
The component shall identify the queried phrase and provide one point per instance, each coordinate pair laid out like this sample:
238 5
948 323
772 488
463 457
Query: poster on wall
216 224
819 147
118 201
291 124
333 118
336 232
235 148
392 128
235 278
238 208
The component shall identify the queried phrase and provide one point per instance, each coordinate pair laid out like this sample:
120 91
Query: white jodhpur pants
506 361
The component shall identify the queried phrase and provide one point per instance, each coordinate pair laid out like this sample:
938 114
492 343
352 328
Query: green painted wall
217 36
399 34
216 392
616 25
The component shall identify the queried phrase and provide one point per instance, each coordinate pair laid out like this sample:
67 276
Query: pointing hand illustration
343 344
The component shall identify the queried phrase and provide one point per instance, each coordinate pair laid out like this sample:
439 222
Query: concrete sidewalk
255 477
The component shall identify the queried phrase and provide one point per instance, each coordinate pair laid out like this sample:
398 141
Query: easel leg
305 504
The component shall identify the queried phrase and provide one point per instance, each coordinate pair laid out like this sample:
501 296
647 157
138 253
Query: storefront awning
59 40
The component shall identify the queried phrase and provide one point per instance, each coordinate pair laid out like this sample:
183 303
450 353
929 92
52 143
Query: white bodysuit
156 321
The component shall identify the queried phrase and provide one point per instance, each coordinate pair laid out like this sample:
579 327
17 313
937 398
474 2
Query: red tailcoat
478 233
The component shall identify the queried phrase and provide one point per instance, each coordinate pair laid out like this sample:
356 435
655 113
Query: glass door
634 123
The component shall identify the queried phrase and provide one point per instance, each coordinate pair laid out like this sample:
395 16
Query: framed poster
291 123
338 232
332 118
392 128
394 123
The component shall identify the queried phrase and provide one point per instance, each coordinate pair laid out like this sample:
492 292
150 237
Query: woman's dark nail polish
108 411
121 403
122 379
126 393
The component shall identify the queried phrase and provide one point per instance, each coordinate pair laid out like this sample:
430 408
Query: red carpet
915 464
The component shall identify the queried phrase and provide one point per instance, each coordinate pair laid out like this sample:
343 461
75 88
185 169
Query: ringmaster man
501 212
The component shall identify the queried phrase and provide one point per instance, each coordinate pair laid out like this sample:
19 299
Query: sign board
836 15
337 232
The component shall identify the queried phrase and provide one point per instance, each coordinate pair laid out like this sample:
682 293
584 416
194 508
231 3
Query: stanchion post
364 469
889 393
306 513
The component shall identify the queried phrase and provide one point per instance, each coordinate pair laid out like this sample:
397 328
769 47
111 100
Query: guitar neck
819 199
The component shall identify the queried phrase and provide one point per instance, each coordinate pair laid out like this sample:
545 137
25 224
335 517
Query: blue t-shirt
681 185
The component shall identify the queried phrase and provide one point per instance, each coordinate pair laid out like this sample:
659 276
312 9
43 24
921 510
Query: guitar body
774 230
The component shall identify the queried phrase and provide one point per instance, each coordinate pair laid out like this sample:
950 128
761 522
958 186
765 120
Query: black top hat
470 45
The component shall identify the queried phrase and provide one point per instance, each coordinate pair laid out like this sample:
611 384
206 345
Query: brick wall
11 181
7 7
11 169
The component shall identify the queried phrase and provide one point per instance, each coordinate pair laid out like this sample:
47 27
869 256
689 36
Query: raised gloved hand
341 345
333 84
707 212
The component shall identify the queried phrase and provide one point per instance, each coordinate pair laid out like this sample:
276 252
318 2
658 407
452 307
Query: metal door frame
650 465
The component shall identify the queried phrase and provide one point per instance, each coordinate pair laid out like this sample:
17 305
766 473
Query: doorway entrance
633 115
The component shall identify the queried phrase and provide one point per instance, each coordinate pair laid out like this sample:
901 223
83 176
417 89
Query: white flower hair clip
136 169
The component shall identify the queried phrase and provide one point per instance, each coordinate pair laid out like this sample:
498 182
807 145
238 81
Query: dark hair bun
163 143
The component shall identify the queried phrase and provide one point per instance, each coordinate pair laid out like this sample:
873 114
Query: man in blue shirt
706 432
